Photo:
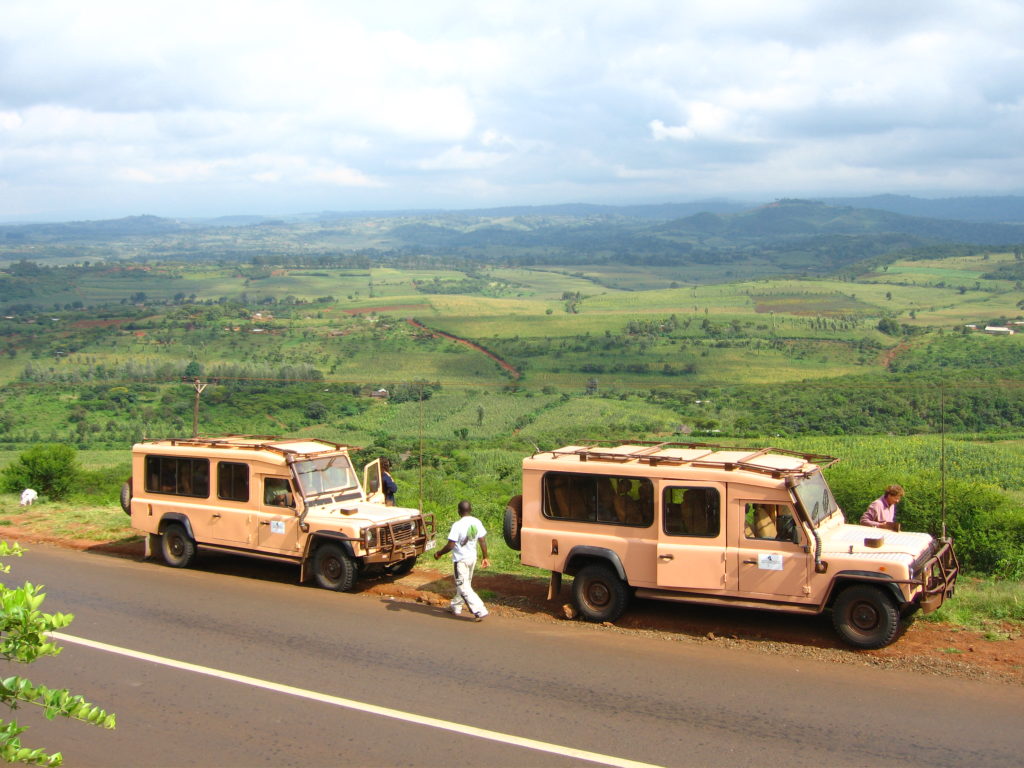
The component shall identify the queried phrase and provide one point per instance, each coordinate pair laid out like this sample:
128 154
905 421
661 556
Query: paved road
571 685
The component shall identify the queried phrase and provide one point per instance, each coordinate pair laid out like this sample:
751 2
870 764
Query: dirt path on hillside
465 342
891 354
925 647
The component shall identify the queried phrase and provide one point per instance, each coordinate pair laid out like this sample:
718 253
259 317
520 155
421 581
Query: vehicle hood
363 511
904 547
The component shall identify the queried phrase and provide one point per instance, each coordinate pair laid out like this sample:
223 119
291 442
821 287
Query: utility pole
199 387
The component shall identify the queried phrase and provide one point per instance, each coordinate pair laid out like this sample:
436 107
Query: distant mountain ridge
1005 209
980 221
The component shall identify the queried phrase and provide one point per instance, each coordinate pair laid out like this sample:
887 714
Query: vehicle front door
691 537
277 523
772 556
373 482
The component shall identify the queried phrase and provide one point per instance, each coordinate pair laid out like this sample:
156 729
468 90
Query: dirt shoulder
926 646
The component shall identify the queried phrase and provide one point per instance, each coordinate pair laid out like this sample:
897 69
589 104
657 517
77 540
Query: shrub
987 530
51 469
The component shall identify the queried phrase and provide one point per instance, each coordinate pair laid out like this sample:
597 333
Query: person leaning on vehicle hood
881 513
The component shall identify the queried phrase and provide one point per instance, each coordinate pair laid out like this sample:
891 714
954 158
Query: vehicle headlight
369 537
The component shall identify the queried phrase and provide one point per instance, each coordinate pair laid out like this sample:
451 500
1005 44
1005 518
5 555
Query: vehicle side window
599 498
770 521
232 481
178 476
277 492
691 511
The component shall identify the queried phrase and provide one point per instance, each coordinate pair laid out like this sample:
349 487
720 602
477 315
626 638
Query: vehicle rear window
599 499
232 481
178 476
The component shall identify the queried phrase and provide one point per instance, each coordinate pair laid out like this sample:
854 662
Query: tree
24 628
193 370
316 411
51 469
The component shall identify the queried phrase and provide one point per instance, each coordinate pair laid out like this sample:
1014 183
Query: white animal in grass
28 496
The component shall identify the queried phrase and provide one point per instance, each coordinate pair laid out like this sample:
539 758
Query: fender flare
176 517
845 578
315 540
583 554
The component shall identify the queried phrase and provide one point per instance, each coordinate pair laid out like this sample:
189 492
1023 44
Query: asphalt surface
373 681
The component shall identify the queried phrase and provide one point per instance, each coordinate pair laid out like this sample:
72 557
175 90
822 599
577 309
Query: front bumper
393 542
937 576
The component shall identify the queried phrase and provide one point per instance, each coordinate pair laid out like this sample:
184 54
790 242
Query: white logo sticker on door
277 526
770 562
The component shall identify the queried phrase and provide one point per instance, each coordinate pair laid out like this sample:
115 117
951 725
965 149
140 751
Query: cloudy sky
209 108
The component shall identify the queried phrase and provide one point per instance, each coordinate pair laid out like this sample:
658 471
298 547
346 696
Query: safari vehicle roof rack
696 454
271 443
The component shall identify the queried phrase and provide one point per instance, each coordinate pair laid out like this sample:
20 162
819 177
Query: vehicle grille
403 533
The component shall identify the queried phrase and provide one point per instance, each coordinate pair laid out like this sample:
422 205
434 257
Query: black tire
402 567
512 525
866 617
177 546
333 568
126 496
599 594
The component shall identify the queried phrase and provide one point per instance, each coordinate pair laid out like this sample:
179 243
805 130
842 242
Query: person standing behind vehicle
390 486
881 513
462 541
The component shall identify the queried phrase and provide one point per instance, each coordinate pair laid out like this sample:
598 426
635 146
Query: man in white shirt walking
462 541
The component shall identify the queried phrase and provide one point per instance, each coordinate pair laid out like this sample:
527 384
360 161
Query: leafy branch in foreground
23 638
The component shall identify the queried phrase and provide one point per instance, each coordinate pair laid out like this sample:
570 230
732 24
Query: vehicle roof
680 459
287 448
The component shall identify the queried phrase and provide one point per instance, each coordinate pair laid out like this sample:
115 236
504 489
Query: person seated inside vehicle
771 521
277 492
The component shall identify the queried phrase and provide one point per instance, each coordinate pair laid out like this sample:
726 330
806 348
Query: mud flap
555 585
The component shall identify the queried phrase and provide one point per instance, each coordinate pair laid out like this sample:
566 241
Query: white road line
373 709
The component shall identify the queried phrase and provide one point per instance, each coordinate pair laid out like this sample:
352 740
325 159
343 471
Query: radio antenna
942 454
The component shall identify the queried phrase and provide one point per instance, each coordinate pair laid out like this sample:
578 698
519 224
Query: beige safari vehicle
296 501
699 523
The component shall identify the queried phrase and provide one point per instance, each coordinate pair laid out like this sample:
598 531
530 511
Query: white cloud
434 102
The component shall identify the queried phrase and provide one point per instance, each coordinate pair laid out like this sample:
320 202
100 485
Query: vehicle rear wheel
177 546
402 567
333 568
866 617
599 593
126 496
513 523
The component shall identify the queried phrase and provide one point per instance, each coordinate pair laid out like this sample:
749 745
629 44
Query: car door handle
264 522
750 562
216 514
666 557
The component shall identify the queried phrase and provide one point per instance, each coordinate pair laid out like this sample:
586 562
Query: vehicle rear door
230 519
691 537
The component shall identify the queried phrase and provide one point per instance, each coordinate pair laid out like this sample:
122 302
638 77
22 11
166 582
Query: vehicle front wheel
333 568
402 567
599 593
866 617
177 546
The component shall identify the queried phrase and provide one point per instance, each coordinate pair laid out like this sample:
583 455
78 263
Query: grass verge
984 605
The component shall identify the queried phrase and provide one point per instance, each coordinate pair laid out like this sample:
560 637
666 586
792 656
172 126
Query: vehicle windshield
330 474
816 497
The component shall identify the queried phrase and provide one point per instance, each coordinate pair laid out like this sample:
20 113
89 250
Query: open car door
373 483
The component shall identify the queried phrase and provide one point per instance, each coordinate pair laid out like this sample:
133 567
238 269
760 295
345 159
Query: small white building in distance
998 330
